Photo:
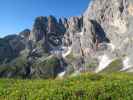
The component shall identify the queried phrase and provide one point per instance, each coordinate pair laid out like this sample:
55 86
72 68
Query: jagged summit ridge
93 42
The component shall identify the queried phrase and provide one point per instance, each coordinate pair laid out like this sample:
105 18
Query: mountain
100 40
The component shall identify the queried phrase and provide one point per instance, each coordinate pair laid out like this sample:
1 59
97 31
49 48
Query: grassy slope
116 86
114 66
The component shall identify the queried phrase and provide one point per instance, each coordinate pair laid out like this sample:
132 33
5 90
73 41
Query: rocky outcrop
104 31
92 42
115 18
25 33
39 29
10 47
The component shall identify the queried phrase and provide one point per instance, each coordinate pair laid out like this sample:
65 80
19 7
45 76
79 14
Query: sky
17 15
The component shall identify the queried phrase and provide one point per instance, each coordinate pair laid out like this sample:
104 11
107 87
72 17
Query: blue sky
16 15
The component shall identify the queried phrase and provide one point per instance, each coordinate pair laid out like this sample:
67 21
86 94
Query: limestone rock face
39 28
104 30
25 33
94 41
56 30
75 24
48 30
116 20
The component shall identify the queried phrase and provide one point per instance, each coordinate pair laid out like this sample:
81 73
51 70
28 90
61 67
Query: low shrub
117 86
16 68
46 69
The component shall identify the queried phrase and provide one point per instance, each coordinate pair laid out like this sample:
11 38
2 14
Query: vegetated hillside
117 86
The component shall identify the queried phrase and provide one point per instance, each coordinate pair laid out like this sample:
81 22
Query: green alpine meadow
87 86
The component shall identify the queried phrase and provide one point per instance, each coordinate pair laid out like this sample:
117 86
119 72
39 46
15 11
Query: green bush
116 86
14 68
46 69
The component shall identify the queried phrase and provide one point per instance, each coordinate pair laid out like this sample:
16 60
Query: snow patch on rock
68 52
104 61
61 75
64 51
81 33
126 63
112 46
76 73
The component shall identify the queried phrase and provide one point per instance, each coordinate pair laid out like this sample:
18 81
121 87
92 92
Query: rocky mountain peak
39 28
115 19
94 41
25 33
